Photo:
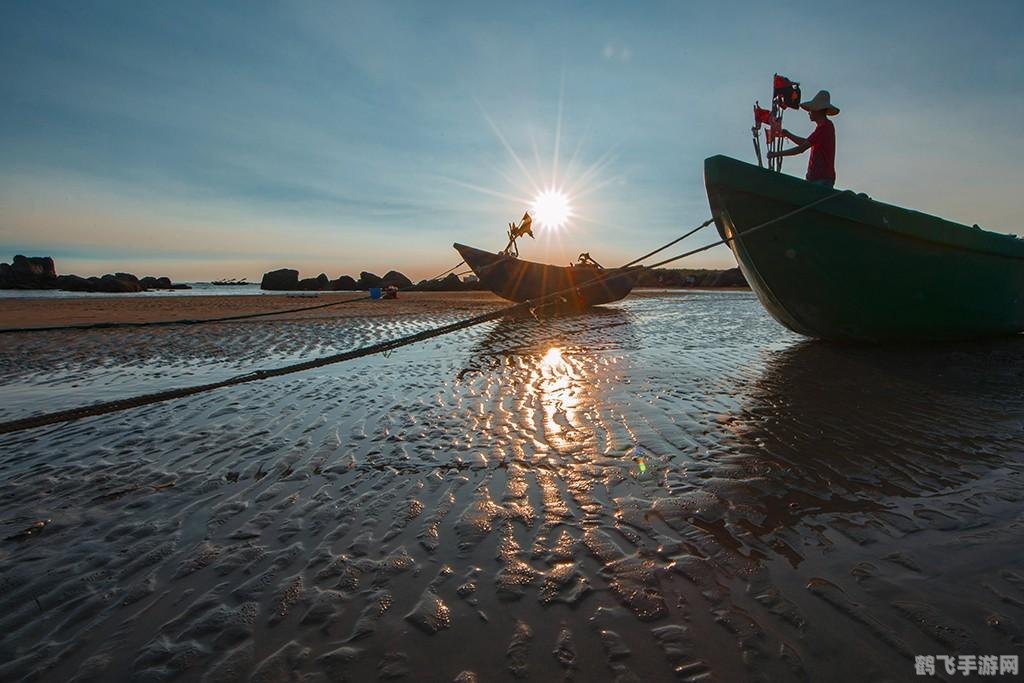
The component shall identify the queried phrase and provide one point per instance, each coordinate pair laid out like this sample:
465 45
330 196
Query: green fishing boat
853 269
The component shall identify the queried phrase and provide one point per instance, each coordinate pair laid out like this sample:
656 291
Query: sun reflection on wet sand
561 383
552 359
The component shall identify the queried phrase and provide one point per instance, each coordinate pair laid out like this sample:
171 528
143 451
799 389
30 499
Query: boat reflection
890 440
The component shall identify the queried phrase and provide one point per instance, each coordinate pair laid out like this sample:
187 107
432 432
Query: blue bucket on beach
374 292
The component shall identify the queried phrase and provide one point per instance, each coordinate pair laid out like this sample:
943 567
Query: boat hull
518 280
852 269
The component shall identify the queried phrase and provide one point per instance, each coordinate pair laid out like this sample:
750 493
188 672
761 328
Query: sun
551 209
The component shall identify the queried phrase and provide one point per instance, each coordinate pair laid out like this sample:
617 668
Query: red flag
762 115
786 92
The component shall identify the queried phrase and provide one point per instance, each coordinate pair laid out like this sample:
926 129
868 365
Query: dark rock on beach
117 283
125 283
287 279
368 280
74 283
150 282
284 279
451 283
320 283
36 272
396 279
345 283
156 283
39 272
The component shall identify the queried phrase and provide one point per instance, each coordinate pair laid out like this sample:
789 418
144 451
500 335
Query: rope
168 323
147 399
754 229
663 248
438 277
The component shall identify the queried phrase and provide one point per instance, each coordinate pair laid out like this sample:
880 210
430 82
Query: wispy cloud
616 52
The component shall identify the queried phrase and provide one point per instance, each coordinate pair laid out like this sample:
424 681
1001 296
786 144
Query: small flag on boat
526 227
786 92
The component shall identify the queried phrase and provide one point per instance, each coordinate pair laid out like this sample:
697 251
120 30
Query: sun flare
551 209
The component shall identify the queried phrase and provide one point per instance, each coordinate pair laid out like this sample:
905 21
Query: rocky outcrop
284 279
320 283
396 279
156 283
345 283
367 280
451 283
118 283
39 272
73 283
287 279
35 272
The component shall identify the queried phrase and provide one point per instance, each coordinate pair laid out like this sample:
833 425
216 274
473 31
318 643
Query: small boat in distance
581 285
853 269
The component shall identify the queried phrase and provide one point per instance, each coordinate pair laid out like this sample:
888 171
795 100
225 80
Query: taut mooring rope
380 347
752 230
666 246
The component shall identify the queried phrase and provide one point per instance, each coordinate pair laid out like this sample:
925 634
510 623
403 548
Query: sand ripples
470 506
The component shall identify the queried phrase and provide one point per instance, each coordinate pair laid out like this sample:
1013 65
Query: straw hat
819 102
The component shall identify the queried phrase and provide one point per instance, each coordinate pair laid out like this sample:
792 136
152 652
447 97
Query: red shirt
822 164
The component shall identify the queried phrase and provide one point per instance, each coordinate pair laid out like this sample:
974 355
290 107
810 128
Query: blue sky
202 140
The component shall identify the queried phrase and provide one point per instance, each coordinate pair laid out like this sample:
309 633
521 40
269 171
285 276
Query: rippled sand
469 507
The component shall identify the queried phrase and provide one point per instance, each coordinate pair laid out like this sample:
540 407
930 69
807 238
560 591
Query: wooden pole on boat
780 139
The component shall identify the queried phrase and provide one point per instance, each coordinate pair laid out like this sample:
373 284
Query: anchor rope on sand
47 419
169 323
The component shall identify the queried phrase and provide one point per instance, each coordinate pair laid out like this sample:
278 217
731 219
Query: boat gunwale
499 257
835 210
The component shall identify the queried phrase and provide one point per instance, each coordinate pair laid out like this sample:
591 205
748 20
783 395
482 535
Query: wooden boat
518 280
853 269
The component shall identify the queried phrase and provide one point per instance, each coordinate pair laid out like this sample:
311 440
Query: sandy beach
86 310
470 508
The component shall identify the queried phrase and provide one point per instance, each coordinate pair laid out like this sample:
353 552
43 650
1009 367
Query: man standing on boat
821 168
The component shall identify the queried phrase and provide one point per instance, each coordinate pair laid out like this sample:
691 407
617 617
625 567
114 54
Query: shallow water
470 504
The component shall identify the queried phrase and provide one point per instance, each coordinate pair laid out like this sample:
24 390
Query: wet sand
28 312
468 506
